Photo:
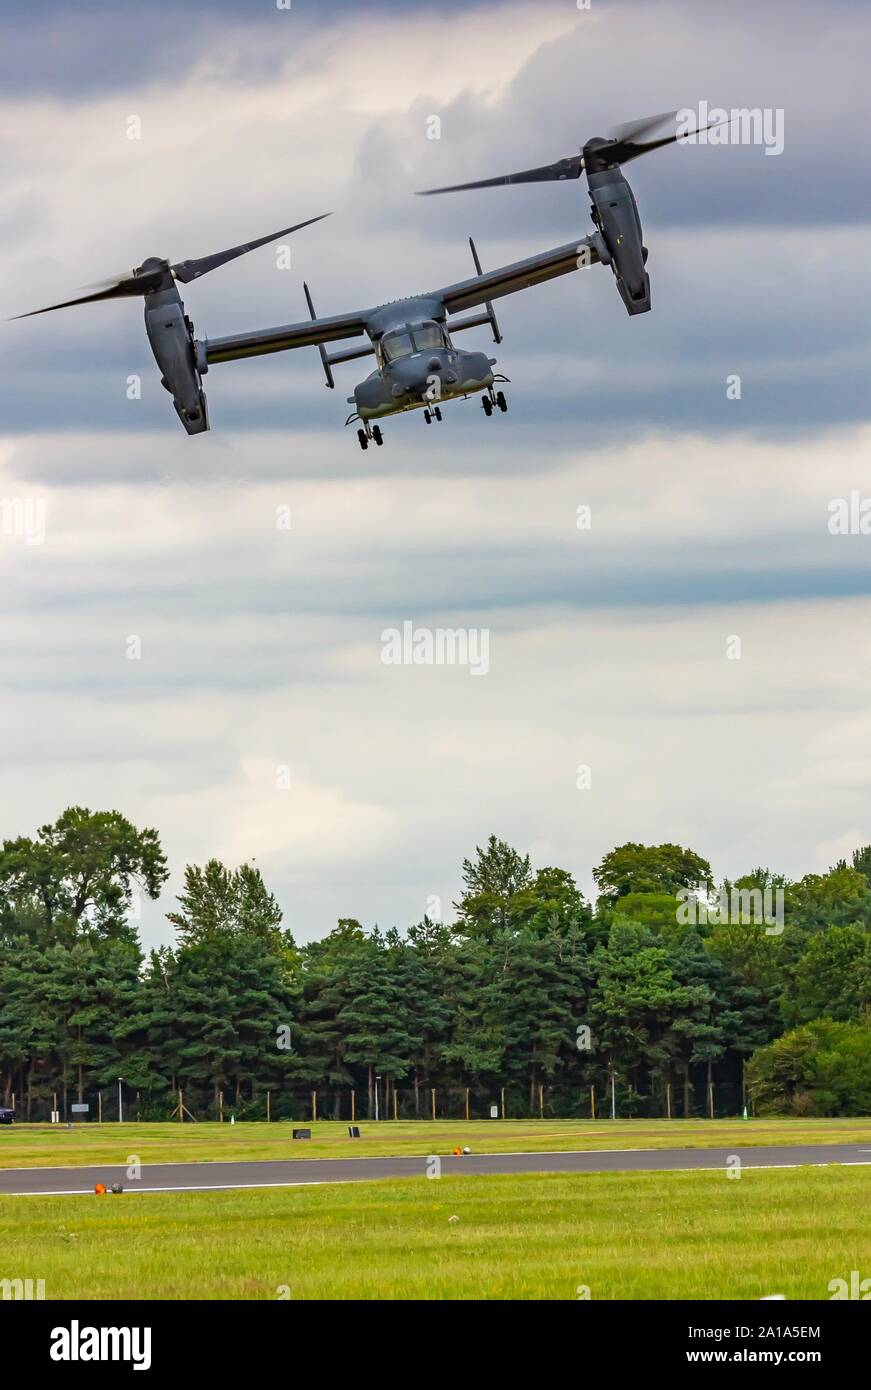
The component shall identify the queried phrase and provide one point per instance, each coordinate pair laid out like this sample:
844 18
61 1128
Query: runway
203 1177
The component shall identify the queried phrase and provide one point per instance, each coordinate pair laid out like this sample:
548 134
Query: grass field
39 1146
643 1235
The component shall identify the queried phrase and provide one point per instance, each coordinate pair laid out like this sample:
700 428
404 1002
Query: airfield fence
306 1103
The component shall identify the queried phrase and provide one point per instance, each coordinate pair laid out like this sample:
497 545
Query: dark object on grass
116 1187
6 1116
302 1134
353 1131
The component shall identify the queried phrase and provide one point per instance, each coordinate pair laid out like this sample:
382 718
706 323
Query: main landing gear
496 398
434 414
374 433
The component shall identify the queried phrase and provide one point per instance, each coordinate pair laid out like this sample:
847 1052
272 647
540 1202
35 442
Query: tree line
531 992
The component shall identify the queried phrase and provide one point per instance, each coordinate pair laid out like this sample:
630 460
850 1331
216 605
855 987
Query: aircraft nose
411 376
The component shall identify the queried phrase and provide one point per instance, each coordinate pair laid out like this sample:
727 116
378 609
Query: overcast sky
261 647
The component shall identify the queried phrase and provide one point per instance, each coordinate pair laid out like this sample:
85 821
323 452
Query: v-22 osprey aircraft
417 364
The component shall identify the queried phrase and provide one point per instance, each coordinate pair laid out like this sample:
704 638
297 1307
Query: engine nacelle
616 215
170 333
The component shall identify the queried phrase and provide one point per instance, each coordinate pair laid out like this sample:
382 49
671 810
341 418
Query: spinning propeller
181 359
155 274
625 142
618 237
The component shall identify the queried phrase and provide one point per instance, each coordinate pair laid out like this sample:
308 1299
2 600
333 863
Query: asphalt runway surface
202 1177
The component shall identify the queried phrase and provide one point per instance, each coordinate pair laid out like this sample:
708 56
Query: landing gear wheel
377 435
501 401
437 413
427 417
487 404
364 442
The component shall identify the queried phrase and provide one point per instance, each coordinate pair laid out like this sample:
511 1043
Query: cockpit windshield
424 338
395 345
428 336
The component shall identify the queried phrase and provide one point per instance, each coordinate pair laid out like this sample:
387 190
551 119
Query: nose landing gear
434 414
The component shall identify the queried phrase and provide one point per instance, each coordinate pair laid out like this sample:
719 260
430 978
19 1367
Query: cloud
260 649
260 646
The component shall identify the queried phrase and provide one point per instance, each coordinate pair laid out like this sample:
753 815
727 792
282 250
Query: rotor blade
563 169
624 150
628 143
193 269
143 282
120 277
121 289
631 129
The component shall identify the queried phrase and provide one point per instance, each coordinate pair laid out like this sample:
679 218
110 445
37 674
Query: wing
508 279
311 333
492 284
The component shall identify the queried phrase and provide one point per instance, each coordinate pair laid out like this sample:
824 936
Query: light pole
377 1089
120 1102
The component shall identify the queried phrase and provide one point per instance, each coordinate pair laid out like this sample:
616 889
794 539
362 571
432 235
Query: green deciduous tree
78 877
635 868
822 1068
833 977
